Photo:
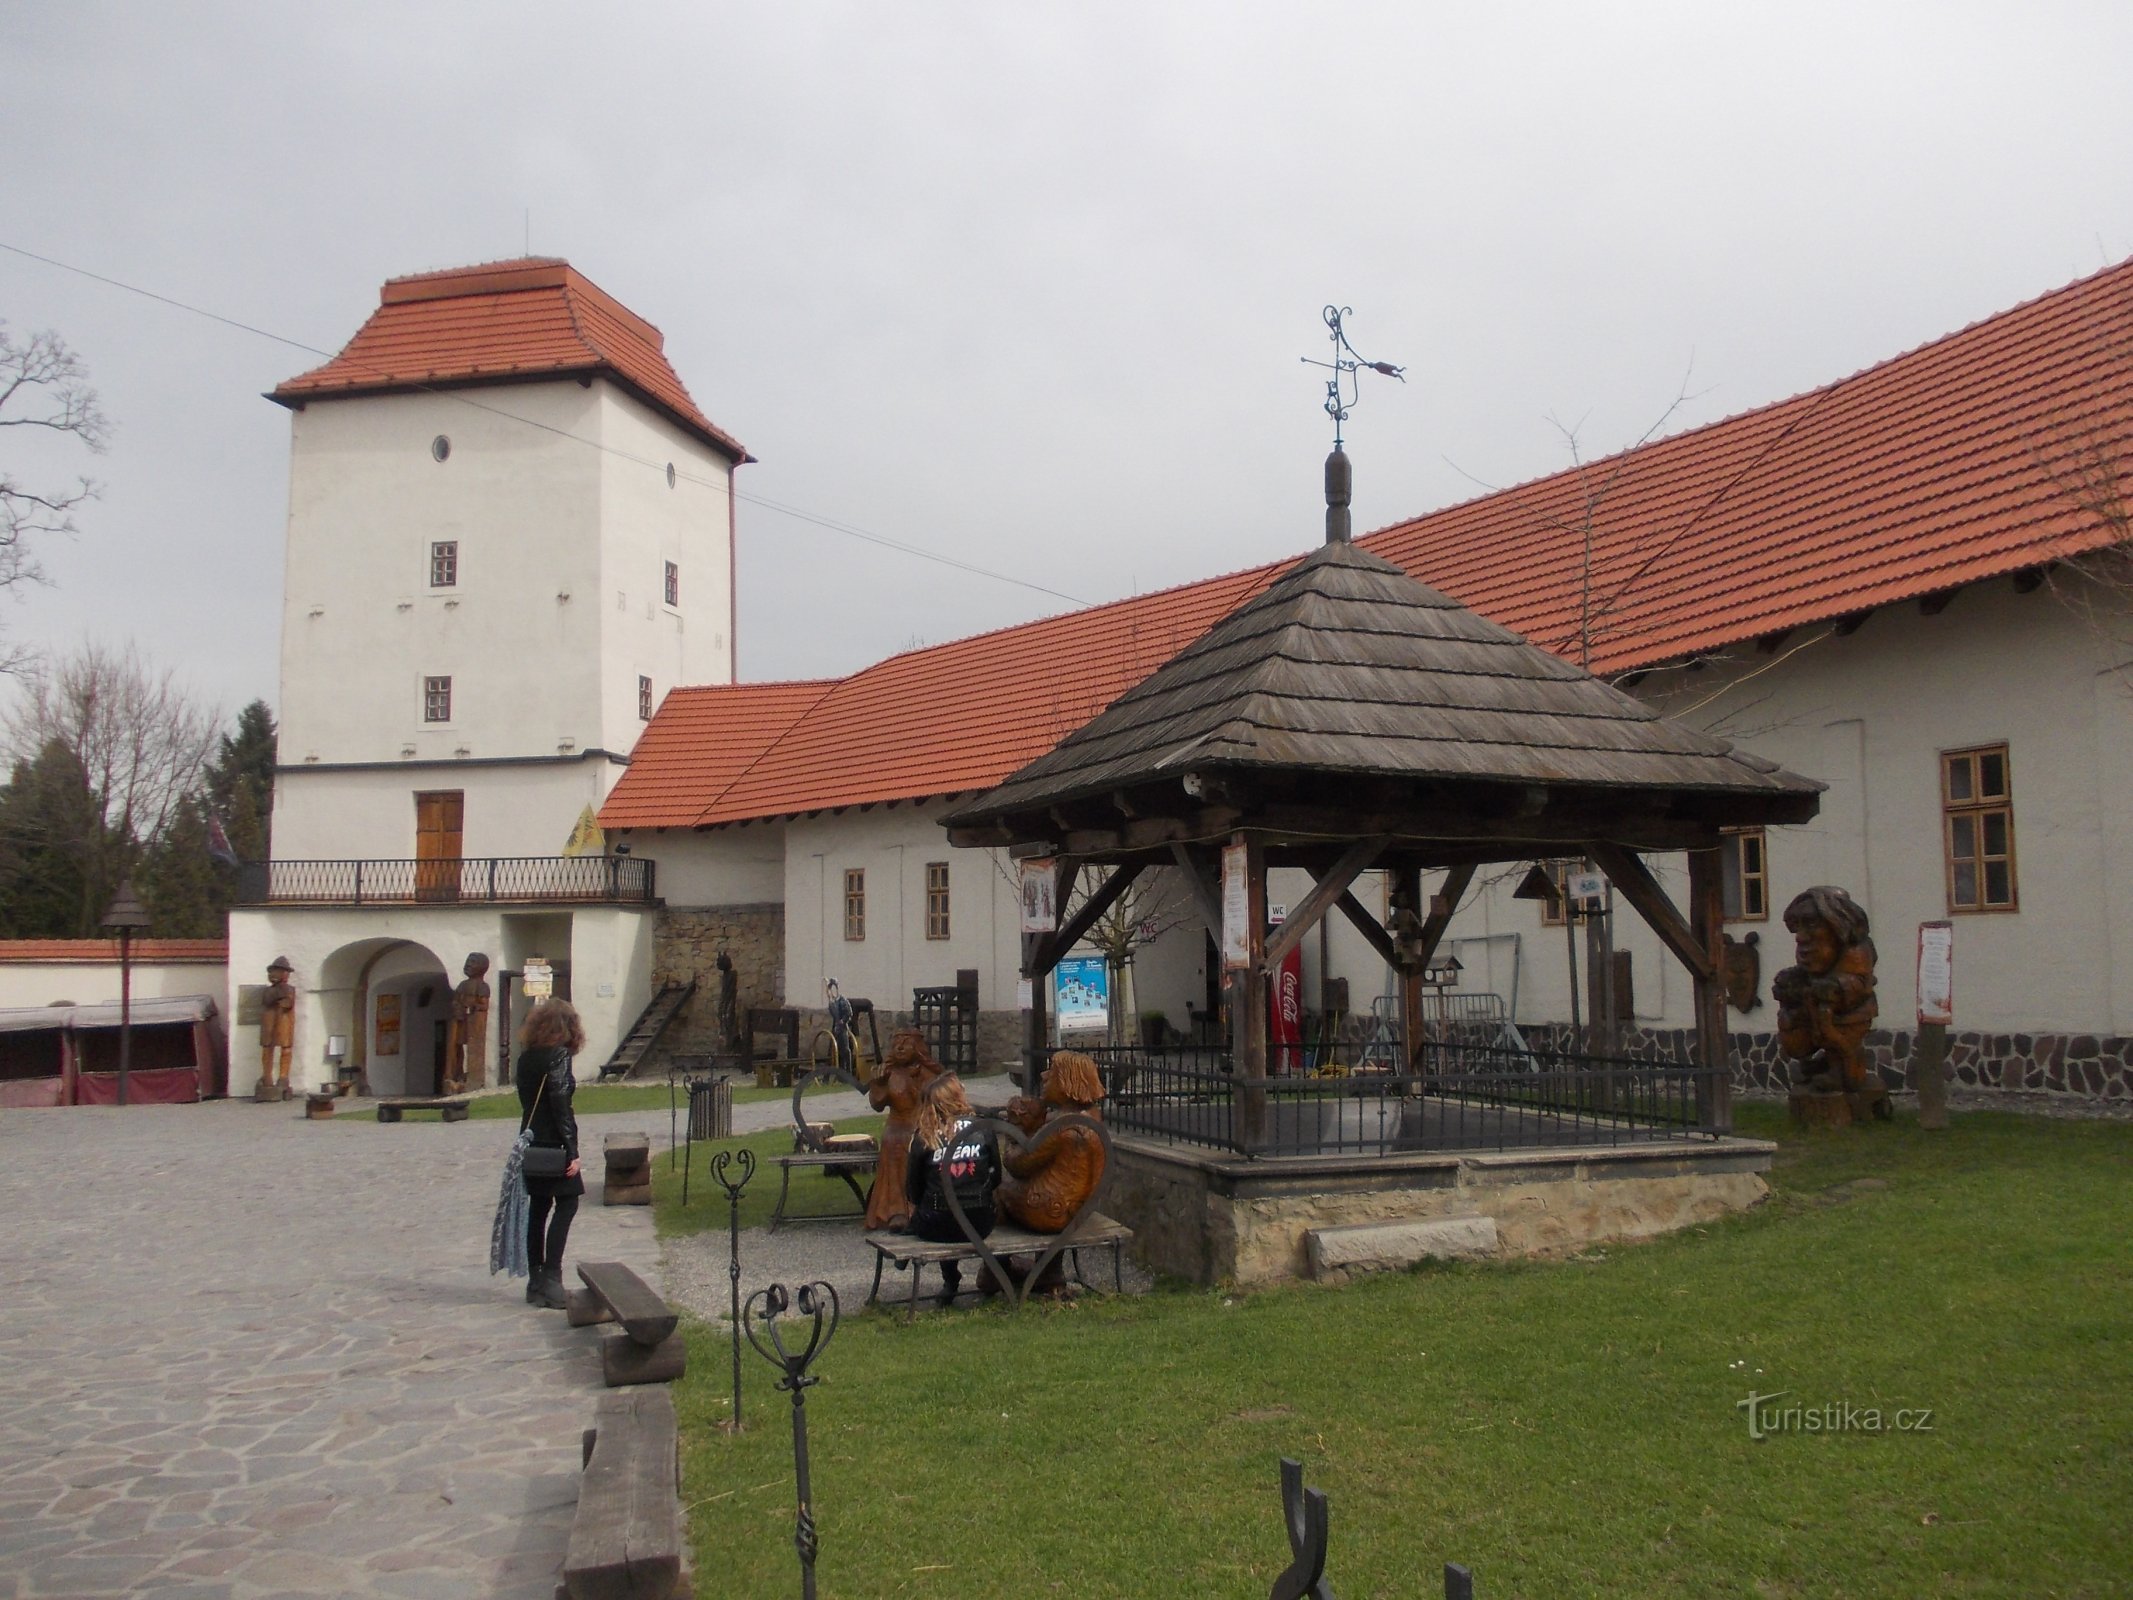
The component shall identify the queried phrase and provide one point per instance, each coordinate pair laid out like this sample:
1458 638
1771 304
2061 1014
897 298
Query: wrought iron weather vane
1341 394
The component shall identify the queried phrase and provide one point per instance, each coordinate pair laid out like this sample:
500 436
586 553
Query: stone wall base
1219 1219
686 941
2051 1063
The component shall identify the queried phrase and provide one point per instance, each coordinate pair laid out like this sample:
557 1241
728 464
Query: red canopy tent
68 1055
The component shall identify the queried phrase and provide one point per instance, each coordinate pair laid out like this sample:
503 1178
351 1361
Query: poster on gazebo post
1082 994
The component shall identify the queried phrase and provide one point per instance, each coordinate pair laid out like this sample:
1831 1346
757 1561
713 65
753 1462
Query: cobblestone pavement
243 1355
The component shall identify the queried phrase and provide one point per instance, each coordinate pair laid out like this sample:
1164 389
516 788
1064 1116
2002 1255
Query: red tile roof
1940 467
699 742
22 952
505 321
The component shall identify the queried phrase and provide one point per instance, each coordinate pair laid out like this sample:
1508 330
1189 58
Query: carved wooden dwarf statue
277 1026
907 1066
1826 1003
466 1047
1043 1188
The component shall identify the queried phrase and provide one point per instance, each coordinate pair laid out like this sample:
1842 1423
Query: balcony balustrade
469 880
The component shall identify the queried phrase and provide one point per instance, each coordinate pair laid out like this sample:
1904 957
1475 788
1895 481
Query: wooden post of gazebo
1698 943
1714 1046
1248 1008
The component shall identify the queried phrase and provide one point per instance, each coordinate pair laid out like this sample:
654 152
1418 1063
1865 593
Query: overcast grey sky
1026 286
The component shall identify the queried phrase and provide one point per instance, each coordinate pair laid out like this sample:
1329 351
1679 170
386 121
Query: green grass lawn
594 1098
1568 1428
590 1100
812 1194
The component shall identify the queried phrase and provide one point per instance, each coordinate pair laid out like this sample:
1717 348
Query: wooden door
438 816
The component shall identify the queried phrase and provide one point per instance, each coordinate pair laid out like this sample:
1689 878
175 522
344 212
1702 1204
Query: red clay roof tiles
534 318
700 742
1946 465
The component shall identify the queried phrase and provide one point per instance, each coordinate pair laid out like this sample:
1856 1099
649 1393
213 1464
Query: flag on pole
218 842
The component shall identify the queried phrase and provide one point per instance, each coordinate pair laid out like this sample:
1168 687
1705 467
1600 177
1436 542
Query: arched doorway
393 1002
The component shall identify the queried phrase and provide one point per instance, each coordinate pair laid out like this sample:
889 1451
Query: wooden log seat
629 1170
647 1350
625 1541
1096 1232
452 1107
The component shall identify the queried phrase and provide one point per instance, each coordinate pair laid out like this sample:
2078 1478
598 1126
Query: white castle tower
510 533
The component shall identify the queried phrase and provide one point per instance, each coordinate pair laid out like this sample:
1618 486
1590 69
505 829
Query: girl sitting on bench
947 1152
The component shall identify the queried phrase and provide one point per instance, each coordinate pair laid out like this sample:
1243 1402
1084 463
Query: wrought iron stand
818 1303
745 1161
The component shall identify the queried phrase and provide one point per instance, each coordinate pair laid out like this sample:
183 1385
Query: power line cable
831 524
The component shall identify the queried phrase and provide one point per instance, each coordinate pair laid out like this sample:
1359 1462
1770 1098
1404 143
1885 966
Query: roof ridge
1795 398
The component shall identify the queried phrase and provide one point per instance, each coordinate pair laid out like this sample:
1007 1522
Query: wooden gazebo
1350 718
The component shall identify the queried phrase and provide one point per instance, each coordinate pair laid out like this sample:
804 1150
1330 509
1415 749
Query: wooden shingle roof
1347 667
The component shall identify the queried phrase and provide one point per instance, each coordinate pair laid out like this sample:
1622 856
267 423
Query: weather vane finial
1340 395
1341 370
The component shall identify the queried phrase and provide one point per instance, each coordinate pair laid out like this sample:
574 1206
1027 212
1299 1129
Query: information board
1082 994
1936 973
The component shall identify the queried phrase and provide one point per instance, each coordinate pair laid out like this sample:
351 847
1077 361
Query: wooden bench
647 1350
629 1170
453 1107
819 1147
1096 1232
625 1540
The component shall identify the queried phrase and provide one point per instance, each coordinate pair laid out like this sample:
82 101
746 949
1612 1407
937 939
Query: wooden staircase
650 1027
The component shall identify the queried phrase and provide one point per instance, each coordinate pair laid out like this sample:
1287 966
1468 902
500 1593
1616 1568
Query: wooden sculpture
729 1007
466 1047
906 1068
1045 1186
1825 1007
277 1029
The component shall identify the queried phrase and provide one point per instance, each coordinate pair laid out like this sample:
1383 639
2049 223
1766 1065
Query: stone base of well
1217 1218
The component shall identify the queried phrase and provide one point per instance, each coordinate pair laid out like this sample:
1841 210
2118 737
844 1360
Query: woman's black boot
534 1278
552 1296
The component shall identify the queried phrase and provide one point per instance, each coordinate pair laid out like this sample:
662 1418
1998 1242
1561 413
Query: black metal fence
472 879
1461 1098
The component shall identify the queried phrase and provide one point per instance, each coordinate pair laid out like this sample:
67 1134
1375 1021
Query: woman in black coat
552 1036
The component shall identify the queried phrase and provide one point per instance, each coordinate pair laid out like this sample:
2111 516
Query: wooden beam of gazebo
1350 719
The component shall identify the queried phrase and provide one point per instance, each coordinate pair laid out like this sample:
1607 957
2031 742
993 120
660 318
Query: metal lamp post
126 918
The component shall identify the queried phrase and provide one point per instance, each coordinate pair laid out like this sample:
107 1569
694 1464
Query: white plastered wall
647 522
724 867
1869 714
370 814
84 983
605 949
557 497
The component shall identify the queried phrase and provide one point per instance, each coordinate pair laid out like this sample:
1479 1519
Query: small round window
440 447
670 474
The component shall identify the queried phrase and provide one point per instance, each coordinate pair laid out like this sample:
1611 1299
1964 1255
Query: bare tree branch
43 387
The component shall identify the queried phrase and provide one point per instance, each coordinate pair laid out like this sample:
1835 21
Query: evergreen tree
59 863
240 782
187 891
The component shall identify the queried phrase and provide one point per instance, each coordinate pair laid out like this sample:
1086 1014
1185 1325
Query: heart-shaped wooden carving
1063 1125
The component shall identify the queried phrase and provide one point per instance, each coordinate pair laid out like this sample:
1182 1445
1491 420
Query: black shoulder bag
543 1160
